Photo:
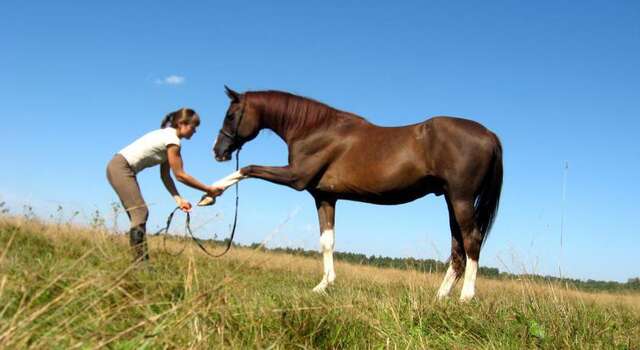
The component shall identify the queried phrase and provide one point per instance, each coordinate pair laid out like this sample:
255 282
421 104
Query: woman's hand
184 205
214 191
210 197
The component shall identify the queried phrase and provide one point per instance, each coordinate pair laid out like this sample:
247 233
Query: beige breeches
123 180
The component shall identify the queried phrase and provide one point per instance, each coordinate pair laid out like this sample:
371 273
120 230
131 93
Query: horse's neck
277 125
285 126
290 127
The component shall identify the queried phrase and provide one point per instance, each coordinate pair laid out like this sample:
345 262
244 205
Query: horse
336 155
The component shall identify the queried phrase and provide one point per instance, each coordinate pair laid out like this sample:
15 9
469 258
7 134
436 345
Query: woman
162 147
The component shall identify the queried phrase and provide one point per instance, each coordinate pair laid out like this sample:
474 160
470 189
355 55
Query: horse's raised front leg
230 180
284 175
224 183
326 216
279 175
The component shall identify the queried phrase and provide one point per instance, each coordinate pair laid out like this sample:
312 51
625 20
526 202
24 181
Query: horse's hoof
320 289
206 201
466 298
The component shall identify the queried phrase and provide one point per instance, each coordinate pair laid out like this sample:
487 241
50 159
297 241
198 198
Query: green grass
65 287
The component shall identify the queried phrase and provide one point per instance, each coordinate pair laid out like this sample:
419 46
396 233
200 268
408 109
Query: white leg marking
327 242
469 286
224 183
230 180
448 283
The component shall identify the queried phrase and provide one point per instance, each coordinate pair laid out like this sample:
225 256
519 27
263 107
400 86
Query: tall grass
66 287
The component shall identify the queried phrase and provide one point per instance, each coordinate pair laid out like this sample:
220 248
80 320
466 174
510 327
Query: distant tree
430 265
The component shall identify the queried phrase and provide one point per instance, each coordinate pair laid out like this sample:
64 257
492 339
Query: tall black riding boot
138 242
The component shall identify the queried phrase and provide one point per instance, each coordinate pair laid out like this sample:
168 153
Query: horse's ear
234 96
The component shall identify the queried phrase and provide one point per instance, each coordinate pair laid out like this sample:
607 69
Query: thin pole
564 197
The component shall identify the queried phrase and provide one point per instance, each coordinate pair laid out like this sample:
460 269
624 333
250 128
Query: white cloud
171 80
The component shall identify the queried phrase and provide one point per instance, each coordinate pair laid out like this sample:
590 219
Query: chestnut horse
338 155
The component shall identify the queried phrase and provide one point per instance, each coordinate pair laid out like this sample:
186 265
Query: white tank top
150 149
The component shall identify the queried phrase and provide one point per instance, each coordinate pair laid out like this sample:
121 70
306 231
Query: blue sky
557 81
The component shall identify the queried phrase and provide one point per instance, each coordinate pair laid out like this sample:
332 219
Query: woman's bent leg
123 180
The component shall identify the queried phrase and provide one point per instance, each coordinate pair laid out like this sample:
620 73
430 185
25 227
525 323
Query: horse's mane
296 113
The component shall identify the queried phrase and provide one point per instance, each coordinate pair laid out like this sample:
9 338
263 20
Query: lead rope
187 225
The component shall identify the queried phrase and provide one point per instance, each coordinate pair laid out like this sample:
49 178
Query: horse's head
241 124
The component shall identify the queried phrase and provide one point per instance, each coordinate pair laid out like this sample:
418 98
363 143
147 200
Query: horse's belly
391 197
380 190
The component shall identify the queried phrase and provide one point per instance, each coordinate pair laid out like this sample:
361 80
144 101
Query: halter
234 138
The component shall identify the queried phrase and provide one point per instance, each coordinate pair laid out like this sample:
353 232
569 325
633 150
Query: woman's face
186 130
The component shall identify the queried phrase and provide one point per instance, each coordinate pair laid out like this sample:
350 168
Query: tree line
431 266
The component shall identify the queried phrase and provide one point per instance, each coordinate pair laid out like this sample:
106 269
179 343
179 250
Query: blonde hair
181 116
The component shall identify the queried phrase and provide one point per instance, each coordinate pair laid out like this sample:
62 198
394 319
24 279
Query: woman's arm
171 187
176 165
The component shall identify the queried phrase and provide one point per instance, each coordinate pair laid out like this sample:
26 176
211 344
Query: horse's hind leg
326 216
457 261
472 242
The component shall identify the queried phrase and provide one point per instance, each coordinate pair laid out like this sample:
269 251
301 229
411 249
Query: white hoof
320 288
206 201
464 297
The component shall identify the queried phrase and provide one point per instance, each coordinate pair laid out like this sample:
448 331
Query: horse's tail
488 199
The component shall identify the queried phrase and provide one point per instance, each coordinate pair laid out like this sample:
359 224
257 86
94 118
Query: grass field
64 287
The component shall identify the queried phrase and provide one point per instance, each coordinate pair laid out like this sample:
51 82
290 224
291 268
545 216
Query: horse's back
460 125
389 165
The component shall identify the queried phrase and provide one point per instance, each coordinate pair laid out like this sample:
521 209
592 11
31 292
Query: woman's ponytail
183 115
168 120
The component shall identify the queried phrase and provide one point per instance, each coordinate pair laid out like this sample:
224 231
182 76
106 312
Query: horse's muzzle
223 158
223 148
